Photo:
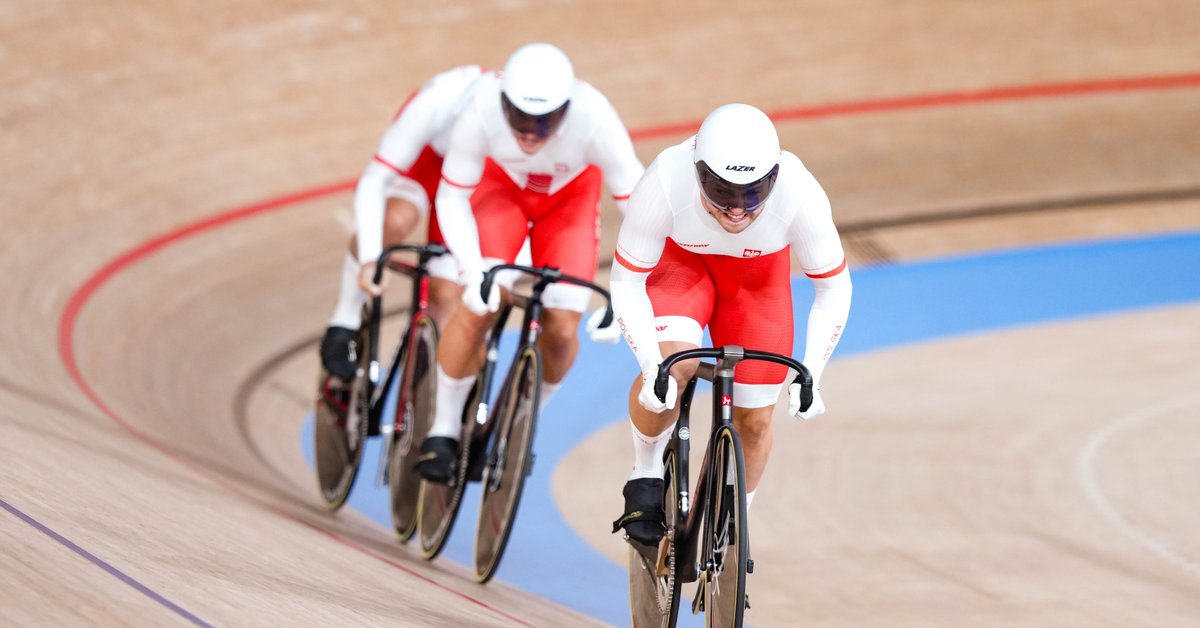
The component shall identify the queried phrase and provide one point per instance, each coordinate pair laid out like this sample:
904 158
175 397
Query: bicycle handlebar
425 251
546 276
803 376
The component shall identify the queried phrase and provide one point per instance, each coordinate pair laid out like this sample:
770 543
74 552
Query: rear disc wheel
340 431
414 416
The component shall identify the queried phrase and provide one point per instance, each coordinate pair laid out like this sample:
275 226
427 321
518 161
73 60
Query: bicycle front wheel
509 461
653 571
438 504
414 416
340 420
726 540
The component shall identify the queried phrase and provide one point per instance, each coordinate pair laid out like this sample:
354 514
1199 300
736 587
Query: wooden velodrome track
149 467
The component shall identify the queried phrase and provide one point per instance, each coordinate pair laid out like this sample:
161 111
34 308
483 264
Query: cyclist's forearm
458 224
826 320
635 317
369 207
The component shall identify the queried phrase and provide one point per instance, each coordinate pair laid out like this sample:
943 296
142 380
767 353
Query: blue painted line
893 306
92 558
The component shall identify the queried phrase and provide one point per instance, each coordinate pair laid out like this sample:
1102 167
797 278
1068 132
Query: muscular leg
754 426
398 221
444 297
559 342
460 354
461 350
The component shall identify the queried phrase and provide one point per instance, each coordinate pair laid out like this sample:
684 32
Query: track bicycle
496 440
345 415
707 539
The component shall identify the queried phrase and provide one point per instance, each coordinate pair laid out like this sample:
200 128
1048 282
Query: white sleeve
369 206
818 248
639 246
461 172
826 320
612 150
399 149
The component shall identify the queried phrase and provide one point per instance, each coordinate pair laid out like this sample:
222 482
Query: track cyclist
525 159
705 242
397 188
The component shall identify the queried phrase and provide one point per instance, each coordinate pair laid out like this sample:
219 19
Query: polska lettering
833 340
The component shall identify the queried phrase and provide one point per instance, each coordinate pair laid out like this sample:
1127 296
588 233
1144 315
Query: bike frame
721 376
419 274
533 308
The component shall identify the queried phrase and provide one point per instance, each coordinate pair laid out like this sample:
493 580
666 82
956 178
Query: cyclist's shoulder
797 191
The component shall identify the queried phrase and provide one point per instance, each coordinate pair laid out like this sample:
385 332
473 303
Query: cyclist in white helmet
526 159
395 190
706 243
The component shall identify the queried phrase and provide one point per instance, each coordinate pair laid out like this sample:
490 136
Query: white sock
548 391
451 396
648 453
348 312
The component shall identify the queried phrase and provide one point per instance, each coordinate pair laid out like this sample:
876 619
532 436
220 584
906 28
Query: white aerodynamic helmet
536 88
737 157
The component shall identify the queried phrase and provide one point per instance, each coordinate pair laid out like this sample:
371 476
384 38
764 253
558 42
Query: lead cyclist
705 243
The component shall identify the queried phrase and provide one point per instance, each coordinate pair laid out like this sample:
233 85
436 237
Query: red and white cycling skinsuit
408 164
677 271
489 186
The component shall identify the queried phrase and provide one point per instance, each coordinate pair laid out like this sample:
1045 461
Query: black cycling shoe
644 517
436 463
337 353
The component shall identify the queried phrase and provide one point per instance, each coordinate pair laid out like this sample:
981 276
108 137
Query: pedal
701 587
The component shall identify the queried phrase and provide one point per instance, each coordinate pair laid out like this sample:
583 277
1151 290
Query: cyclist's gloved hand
473 278
610 334
647 397
366 278
816 409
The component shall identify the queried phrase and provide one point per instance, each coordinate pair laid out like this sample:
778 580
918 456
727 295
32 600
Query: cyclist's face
733 220
529 142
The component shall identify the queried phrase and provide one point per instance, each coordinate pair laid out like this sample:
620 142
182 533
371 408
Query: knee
469 324
443 300
684 371
559 337
399 220
754 424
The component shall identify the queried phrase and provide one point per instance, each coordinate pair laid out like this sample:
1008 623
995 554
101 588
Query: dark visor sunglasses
541 126
726 196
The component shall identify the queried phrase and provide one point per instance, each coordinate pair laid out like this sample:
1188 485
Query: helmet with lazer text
737 157
535 89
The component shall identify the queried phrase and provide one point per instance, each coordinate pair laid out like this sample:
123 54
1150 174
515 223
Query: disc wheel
653 574
340 430
414 416
727 554
509 461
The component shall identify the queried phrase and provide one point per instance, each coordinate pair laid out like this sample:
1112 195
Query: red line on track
80 298
950 99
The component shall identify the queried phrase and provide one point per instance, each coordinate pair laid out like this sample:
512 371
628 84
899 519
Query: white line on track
1086 473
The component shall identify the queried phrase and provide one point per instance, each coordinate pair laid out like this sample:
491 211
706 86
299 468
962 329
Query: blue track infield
893 305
